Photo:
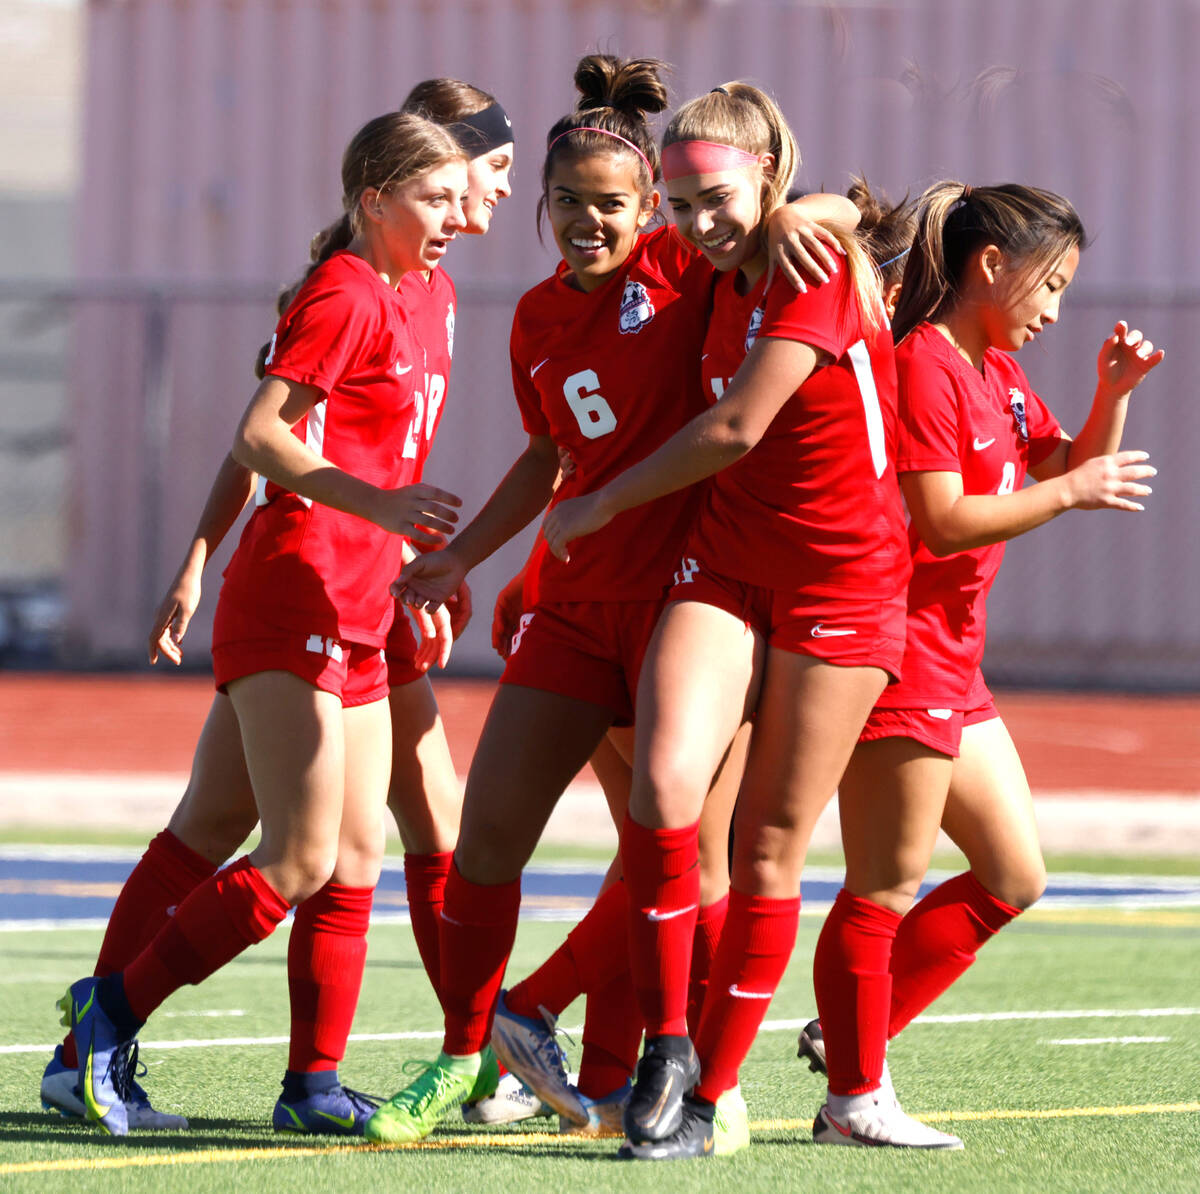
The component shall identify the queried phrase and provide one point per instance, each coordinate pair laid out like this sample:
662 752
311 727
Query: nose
702 222
503 186
455 217
1050 314
590 217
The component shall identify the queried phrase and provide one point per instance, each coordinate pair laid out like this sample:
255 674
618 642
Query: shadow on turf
44 1128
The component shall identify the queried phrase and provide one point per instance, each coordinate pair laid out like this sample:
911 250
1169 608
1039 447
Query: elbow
942 542
247 448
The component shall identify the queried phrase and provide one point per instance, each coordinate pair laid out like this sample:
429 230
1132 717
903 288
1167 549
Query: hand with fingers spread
173 615
1125 359
421 512
430 580
1110 482
572 519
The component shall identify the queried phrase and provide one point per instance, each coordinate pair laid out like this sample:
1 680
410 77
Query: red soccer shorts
401 651
939 729
243 643
590 650
847 631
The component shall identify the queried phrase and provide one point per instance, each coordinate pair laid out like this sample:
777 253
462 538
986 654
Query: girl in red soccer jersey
217 812
789 603
304 611
604 360
985 276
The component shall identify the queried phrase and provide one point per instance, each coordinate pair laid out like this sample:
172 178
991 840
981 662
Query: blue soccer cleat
338 1111
105 1059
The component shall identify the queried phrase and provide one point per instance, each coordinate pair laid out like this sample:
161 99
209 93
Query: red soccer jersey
302 565
814 506
431 304
610 375
989 428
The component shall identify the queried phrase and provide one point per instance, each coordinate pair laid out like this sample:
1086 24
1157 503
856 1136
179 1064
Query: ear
767 162
891 296
649 207
991 263
370 205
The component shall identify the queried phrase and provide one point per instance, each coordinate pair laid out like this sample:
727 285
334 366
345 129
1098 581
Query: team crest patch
636 308
449 329
1016 403
753 327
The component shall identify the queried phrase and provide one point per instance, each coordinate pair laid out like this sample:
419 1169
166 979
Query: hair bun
631 86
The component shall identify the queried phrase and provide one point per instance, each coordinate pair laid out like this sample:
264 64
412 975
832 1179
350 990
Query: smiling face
596 212
487 184
416 221
721 214
1022 305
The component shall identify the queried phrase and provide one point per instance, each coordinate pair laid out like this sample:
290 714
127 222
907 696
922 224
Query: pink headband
604 132
683 158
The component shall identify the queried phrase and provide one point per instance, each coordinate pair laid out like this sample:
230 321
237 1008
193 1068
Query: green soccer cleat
731 1123
442 1086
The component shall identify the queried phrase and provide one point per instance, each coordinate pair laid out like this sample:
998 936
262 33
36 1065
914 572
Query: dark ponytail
1031 227
616 95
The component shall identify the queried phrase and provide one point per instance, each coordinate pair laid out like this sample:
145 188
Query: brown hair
615 96
446 100
885 229
385 153
1031 227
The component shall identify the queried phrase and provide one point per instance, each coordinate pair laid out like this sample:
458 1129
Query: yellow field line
213 1156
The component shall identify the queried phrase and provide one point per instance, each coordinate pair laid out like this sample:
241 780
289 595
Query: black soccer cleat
668 1070
811 1046
692 1138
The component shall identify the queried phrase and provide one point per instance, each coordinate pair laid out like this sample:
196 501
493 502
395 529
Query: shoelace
361 1101
550 1047
417 1096
123 1068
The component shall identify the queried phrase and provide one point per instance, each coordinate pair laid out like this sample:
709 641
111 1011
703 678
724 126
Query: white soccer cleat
875 1120
529 1049
512 1102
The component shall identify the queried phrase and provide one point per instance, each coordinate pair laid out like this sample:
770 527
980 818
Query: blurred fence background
211 136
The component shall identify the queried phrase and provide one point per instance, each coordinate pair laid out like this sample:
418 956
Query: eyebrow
717 186
602 195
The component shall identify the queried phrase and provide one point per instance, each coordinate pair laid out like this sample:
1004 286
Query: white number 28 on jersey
594 416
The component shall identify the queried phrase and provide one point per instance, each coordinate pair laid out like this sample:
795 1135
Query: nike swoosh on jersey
656 916
819 631
980 444
537 367
401 372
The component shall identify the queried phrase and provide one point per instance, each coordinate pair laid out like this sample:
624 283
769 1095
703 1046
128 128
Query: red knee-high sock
595 953
938 940
162 878
479 924
425 878
854 990
229 911
704 948
753 953
612 1035
662 872
326 955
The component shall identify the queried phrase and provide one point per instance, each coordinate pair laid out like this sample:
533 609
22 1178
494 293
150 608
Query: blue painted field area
75 886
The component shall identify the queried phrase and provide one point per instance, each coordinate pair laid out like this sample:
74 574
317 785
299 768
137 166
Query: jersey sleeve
819 316
529 402
929 415
1045 432
320 335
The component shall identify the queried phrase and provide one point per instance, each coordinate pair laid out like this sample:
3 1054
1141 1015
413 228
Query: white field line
1108 1040
768 1026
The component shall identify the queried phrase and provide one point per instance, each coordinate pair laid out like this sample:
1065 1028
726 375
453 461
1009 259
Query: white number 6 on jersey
594 416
